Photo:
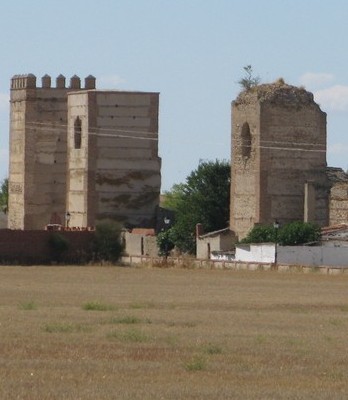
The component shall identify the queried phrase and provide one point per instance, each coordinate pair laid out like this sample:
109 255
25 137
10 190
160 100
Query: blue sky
192 52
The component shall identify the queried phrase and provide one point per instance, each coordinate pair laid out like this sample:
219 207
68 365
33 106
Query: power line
114 135
47 125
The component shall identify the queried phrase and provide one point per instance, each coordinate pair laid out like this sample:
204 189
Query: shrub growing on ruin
249 80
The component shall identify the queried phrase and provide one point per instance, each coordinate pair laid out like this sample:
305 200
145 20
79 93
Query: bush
292 234
165 242
107 242
261 234
58 245
297 233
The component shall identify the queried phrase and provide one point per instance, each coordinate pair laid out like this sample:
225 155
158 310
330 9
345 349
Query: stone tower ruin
278 169
113 163
92 154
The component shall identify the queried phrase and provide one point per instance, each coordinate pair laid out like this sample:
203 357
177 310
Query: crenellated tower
38 149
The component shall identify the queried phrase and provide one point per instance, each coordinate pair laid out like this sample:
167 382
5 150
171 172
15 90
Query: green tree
261 234
203 198
107 242
292 234
249 80
298 232
173 197
4 196
165 242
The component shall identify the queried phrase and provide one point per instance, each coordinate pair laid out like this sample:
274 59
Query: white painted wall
263 252
293 255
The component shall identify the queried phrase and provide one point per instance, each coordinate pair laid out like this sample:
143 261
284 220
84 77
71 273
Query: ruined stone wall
339 204
122 180
292 152
38 151
77 173
287 148
244 209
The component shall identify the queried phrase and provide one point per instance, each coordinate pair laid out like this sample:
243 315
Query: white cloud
334 98
315 80
4 101
109 81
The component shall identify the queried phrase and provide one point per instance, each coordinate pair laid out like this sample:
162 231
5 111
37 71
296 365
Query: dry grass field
124 333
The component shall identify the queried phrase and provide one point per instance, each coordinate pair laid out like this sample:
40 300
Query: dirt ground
138 333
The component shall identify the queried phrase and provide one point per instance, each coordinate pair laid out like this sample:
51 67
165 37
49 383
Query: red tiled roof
334 228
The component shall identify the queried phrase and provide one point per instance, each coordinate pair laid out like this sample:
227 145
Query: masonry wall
339 203
297 137
245 176
140 245
116 174
287 149
32 246
78 162
38 146
218 242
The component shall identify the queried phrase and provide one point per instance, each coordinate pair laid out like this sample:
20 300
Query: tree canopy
203 198
4 196
292 234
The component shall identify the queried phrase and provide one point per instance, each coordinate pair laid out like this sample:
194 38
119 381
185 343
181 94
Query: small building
335 236
210 244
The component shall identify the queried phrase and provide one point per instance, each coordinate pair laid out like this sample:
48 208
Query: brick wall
33 247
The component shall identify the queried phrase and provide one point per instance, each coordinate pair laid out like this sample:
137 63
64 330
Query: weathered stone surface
278 144
114 172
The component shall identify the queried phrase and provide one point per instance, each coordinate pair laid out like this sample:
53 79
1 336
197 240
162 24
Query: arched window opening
246 140
77 133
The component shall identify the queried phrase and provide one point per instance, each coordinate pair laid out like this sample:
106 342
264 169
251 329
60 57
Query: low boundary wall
186 262
33 247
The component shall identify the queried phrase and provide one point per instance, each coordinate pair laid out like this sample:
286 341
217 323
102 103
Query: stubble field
124 333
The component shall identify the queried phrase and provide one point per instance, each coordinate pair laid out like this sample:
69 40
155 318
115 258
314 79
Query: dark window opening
246 140
77 133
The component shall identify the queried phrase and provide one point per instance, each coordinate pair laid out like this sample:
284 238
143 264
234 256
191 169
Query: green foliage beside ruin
107 242
203 198
4 196
292 234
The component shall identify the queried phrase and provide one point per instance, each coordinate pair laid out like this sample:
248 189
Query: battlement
29 82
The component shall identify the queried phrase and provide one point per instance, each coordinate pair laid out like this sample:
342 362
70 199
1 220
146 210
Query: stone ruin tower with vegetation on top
84 152
278 169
